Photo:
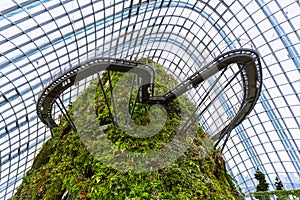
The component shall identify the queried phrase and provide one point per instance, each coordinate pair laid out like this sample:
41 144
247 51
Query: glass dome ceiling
40 40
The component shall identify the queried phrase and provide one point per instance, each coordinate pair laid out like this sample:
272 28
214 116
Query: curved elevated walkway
247 60
66 80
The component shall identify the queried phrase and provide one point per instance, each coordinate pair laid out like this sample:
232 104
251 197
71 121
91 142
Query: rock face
68 166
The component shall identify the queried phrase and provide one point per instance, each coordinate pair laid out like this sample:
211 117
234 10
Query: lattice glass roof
41 39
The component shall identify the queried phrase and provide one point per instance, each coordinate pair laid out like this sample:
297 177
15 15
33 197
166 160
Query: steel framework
42 39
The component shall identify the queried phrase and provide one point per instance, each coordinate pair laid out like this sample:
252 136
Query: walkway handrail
246 59
59 85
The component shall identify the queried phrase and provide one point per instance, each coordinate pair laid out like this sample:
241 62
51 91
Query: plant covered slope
65 168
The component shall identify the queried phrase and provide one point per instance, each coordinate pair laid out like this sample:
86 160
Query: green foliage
278 184
262 185
280 194
64 166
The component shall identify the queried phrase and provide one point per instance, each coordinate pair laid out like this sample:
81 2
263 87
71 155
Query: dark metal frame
247 59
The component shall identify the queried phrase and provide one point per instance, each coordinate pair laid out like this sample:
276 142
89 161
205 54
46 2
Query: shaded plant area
66 169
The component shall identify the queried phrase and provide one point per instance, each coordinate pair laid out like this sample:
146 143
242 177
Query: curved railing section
59 85
246 59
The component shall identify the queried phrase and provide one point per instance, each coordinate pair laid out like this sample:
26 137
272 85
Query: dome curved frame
40 39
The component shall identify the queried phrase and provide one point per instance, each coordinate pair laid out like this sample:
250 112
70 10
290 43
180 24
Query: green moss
64 166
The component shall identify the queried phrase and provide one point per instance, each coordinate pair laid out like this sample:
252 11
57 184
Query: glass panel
182 36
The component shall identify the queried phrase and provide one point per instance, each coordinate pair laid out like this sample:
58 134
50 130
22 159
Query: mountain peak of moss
67 168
